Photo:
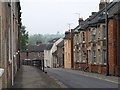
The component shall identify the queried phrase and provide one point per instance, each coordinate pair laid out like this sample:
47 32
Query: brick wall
93 68
23 55
118 44
31 55
5 39
60 56
112 33
67 53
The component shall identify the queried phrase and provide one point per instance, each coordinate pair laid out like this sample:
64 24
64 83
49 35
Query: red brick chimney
80 20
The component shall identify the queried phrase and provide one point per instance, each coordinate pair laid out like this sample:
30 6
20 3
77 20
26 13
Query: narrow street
32 77
74 79
71 44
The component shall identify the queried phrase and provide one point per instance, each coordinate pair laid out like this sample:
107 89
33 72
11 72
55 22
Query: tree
44 38
23 38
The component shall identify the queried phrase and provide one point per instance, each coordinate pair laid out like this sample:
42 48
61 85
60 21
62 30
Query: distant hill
44 38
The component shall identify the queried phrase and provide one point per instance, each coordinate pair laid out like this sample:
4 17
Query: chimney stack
93 13
80 20
38 43
67 32
102 3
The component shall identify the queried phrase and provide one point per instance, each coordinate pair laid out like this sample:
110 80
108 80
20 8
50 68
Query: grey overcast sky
51 16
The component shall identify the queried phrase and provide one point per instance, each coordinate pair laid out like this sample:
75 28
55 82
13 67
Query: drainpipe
72 61
106 26
1 37
12 43
19 47
1 56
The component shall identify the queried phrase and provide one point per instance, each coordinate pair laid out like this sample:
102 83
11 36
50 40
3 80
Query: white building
48 56
49 59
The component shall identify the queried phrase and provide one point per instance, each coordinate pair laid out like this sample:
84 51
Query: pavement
113 79
32 77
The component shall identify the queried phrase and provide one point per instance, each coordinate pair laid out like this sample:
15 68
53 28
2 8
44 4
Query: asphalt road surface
75 80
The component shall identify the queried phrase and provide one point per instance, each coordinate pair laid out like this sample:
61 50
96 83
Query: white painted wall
53 49
47 58
1 72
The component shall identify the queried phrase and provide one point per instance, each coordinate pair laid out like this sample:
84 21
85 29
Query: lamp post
107 42
27 55
43 63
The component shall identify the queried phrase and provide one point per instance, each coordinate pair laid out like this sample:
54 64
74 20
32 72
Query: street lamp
43 62
27 55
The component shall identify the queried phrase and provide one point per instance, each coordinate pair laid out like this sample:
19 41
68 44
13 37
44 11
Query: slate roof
76 29
98 17
48 46
111 10
54 53
61 44
53 40
37 48
67 35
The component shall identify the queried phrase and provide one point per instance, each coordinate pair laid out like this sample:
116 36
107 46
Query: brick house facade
54 51
90 38
48 55
34 55
117 17
68 50
10 23
60 54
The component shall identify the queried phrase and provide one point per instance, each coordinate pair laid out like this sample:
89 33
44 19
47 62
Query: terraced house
80 46
68 50
10 23
97 51
90 40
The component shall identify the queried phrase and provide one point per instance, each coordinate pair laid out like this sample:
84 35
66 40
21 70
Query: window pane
105 54
104 28
94 56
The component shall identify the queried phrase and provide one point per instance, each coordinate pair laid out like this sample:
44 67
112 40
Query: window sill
105 64
1 72
82 62
95 63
